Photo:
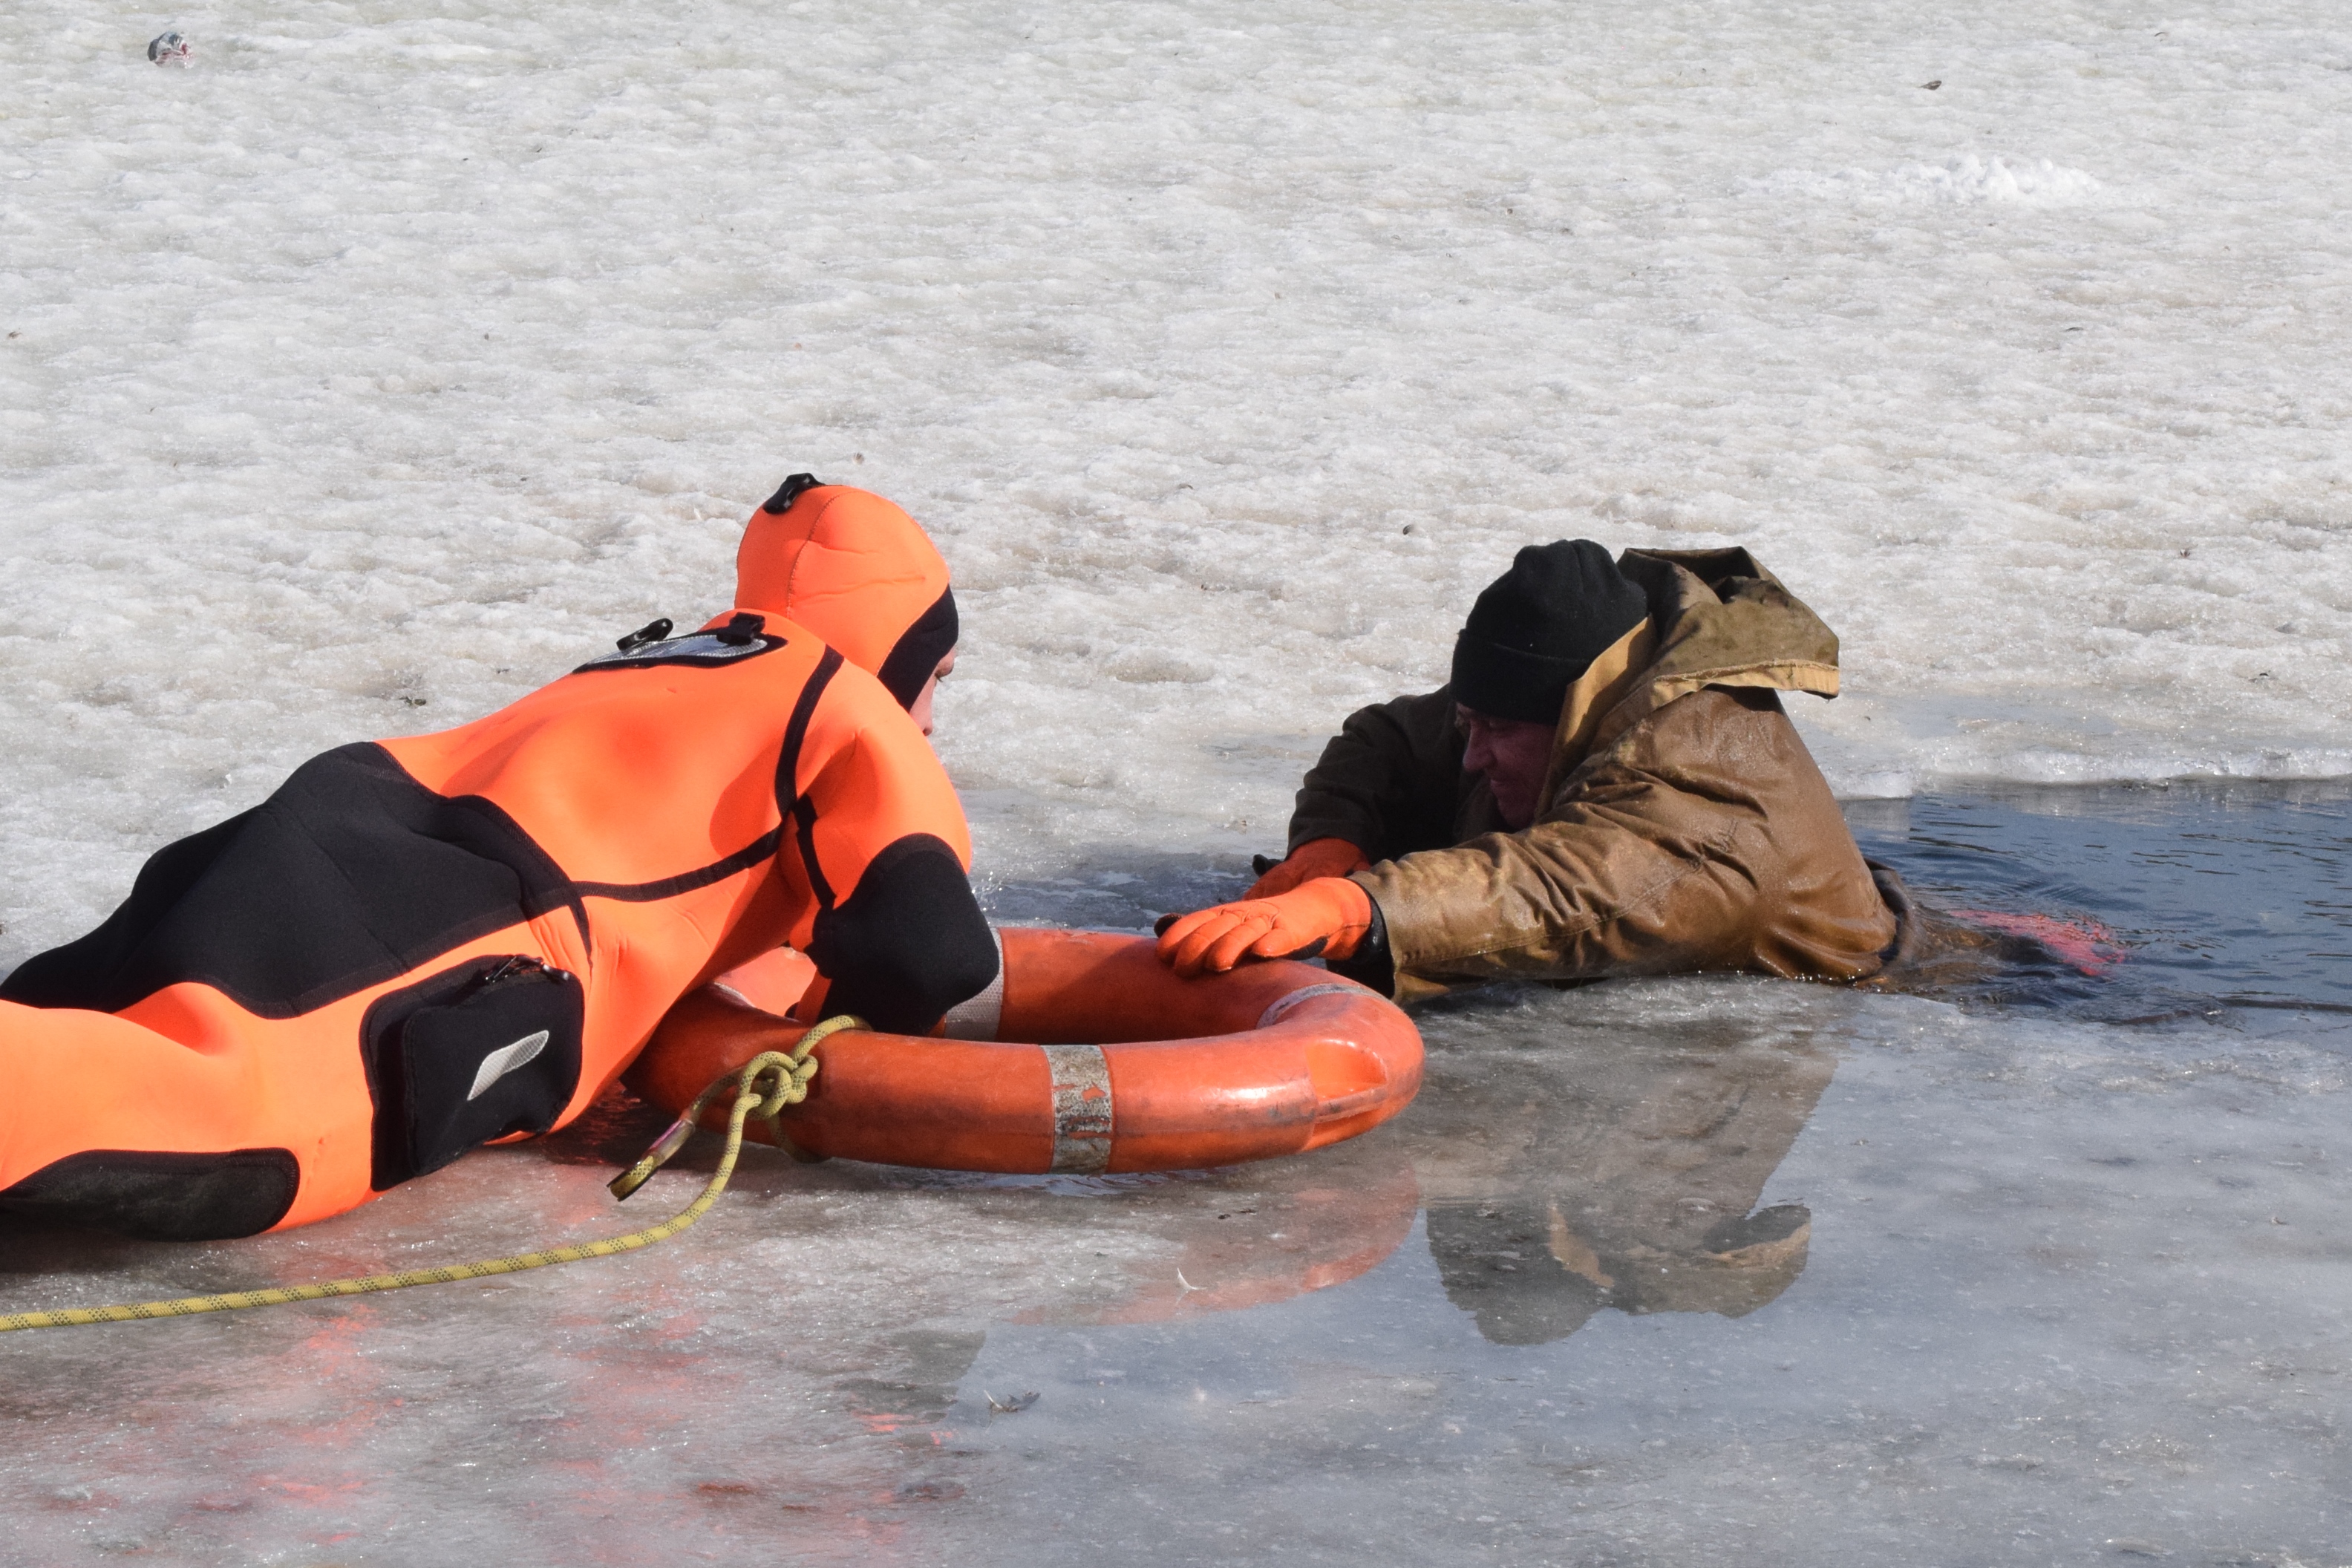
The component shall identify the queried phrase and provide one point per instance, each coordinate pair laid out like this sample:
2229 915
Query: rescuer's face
921 712
1513 754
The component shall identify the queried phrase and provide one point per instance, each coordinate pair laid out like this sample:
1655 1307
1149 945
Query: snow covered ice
391 359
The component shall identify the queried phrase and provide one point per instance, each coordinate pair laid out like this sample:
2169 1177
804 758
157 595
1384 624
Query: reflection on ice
2062 1288
1581 1169
1678 1272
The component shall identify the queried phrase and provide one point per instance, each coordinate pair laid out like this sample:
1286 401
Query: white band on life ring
1082 1109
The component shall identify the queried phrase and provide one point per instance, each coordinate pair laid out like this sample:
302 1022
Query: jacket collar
1717 618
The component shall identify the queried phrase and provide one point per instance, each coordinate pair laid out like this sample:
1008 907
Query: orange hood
855 570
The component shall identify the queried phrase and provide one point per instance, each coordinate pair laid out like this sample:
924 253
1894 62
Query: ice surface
393 358
1672 1273
2012 1340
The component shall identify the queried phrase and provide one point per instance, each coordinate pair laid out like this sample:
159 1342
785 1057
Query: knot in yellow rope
780 1080
763 1086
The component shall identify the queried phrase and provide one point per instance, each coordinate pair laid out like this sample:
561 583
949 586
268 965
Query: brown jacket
1686 827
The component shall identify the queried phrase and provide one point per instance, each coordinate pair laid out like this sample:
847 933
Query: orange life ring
1270 1059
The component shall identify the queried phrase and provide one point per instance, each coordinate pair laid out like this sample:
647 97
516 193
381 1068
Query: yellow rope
763 1086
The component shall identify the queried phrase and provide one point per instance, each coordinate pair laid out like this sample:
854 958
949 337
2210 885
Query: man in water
418 945
1608 786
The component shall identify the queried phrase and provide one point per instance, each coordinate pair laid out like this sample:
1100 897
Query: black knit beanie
1538 627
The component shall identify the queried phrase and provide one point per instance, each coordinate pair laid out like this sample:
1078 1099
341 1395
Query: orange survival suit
419 946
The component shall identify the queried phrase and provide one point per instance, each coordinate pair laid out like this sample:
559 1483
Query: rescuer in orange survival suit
419 946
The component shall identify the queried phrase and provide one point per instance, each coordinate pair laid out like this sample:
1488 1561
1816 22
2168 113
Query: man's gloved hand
1324 918
1315 857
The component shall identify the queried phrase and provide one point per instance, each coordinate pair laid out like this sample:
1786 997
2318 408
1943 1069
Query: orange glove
1315 857
1325 918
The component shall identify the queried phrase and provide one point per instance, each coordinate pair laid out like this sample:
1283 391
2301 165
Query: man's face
1513 754
921 712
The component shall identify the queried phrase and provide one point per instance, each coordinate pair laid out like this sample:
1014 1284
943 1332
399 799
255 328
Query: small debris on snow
168 49
1932 86
1012 1405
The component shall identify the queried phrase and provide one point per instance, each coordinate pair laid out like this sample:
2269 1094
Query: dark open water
2230 902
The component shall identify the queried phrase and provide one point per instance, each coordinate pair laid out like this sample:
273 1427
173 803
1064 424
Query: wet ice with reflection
2015 1289
1716 1269
1562 1174
1673 1272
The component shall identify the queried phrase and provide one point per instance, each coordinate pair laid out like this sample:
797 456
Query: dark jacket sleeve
1390 782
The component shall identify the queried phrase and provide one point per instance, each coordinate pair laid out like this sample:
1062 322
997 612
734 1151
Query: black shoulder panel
350 874
908 943
162 1197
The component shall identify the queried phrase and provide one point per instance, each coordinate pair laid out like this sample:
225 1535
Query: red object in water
2093 949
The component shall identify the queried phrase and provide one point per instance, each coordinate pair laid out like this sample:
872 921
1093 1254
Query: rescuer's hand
1324 918
1315 857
